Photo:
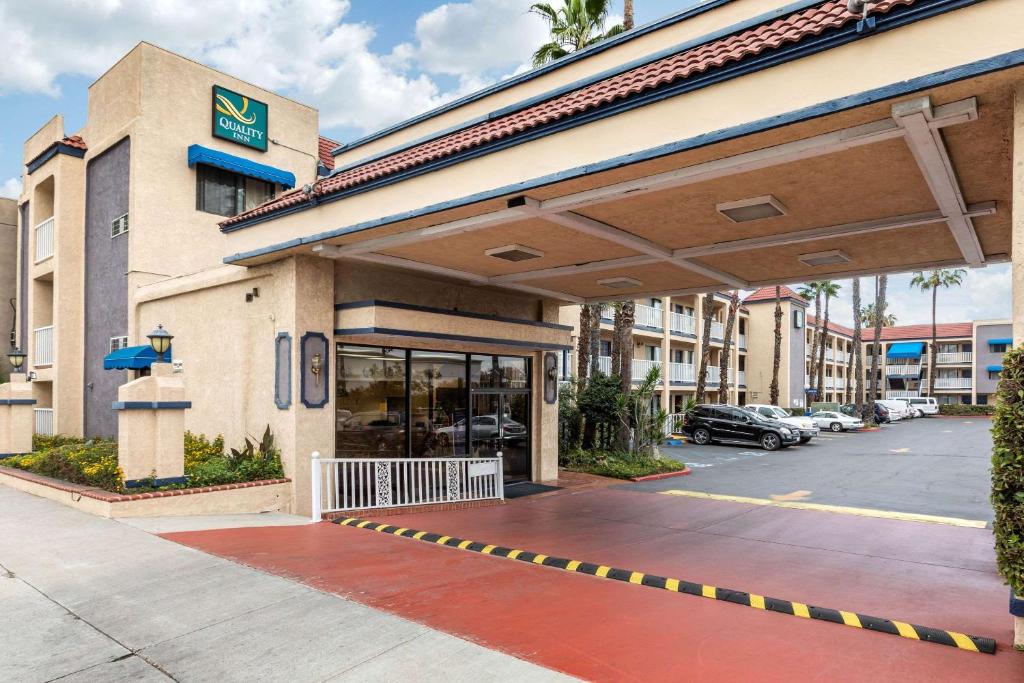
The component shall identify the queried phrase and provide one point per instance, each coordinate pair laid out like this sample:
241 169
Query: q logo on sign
227 107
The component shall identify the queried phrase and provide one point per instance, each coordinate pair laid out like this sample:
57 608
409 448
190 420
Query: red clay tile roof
715 54
832 326
944 330
75 141
326 158
768 294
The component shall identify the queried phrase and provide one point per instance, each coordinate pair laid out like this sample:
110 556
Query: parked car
882 414
925 405
835 421
803 424
898 409
707 424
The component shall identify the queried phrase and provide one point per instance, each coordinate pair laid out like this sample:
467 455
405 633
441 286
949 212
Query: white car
805 425
926 405
835 422
899 408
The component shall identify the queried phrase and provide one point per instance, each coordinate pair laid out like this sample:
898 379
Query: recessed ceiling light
753 209
619 282
824 258
514 253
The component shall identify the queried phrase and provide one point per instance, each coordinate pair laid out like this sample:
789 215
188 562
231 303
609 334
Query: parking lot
934 466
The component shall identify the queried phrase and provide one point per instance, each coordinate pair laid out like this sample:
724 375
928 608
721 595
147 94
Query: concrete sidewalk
90 599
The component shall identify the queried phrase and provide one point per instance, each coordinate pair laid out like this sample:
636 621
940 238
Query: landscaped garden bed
620 464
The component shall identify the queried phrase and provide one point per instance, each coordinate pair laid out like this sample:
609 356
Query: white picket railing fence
44 240
952 382
682 372
902 369
44 421
954 358
681 323
648 316
674 424
43 346
342 484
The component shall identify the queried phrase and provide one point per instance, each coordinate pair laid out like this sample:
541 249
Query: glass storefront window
499 372
371 412
439 404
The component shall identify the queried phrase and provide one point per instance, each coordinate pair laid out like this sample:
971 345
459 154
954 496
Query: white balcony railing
742 381
43 345
604 364
608 313
44 240
713 374
717 330
648 316
642 367
341 484
681 323
830 383
742 342
840 383
954 358
903 369
902 394
952 382
682 372
841 357
44 421
829 354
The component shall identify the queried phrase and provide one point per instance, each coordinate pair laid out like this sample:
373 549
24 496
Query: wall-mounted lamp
17 357
254 294
32 376
160 341
316 366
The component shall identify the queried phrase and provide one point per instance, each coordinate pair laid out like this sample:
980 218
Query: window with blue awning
197 154
995 368
1000 341
132 358
905 350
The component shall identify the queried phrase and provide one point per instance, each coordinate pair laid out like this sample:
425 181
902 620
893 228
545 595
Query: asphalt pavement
933 466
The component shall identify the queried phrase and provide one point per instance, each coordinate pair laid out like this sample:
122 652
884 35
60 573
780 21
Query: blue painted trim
17 401
808 46
326 369
646 328
286 402
197 154
994 368
10 455
1001 340
1016 605
634 33
985 66
451 337
682 334
164 481
52 151
151 405
367 303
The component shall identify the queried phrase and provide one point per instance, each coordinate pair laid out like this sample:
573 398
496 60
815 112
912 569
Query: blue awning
132 358
905 350
1001 340
995 368
197 154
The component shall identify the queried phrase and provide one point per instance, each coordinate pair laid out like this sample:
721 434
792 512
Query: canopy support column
1017 221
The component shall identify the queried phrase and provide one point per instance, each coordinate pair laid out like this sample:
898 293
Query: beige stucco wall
1018 216
8 275
667 37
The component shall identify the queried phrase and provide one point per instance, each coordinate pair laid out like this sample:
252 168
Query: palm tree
867 317
933 280
573 26
812 290
627 15
856 369
595 339
723 363
707 311
876 347
773 392
622 343
829 290
583 347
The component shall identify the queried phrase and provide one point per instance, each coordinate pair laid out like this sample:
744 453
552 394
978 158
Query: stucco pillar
151 426
1017 222
545 432
16 416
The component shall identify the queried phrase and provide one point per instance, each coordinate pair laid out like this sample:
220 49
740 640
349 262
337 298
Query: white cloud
302 48
11 188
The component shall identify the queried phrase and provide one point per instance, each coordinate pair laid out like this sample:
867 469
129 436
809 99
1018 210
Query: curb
663 475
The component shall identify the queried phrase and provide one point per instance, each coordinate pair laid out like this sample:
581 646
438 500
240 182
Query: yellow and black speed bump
799 609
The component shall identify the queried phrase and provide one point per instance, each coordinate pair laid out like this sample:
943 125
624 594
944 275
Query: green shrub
90 463
42 442
199 449
961 409
618 464
1008 471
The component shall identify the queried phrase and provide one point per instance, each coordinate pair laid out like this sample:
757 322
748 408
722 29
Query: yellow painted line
672 585
514 554
708 592
757 601
573 565
487 549
850 619
539 559
363 523
348 521
839 509
399 532
602 571
800 610
418 535
442 540
636 577
906 630
962 641
464 545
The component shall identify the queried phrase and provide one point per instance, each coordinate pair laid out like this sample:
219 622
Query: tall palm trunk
583 346
595 339
812 380
627 315
723 363
821 352
705 345
856 371
934 347
773 392
616 364
876 346
627 15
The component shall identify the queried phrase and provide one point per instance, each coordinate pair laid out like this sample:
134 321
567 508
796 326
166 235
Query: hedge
965 410
1008 471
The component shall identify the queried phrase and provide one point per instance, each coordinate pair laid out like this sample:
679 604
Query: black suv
709 423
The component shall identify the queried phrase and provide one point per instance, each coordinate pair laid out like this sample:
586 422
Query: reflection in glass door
500 422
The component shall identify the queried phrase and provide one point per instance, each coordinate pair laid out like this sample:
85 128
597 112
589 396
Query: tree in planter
600 404
638 414
1008 476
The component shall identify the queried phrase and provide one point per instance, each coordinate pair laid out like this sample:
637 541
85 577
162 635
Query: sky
365 64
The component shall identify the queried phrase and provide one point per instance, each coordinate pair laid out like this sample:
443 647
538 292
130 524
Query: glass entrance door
500 422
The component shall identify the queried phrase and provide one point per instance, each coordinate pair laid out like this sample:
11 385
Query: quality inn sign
239 119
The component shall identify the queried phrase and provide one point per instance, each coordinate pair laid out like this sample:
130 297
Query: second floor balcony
717 331
648 317
958 358
44 240
953 382
680 323
42 340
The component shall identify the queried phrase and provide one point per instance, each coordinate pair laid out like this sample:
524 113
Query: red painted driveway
597 629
